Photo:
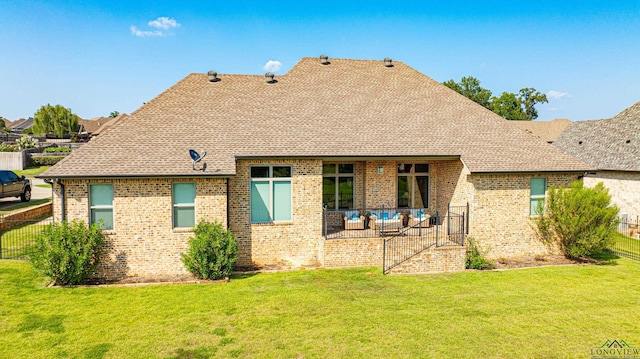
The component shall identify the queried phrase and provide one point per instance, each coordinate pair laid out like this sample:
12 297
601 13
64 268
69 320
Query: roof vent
269 77
628 141
388 62
579 142
213 76
324 59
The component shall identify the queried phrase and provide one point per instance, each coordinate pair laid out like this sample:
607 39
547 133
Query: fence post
437 227
462 229
1 224
382 220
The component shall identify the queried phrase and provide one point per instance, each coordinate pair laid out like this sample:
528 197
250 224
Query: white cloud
272 66
161 24
164 23
140 33
556 95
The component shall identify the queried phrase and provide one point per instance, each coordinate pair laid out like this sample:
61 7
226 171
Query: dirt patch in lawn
539 261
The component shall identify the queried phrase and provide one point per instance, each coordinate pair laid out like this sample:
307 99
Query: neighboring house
352 135
108 124
94 126
21 125
612 146
548 131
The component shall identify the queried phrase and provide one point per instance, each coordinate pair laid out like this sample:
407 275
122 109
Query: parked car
14 186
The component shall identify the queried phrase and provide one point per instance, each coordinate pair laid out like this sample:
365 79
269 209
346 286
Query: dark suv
14 186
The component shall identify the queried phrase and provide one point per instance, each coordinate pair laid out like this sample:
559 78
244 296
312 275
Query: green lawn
16 242
31 172
552 312
32 203
627 245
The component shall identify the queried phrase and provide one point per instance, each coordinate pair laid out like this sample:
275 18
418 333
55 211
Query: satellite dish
196 157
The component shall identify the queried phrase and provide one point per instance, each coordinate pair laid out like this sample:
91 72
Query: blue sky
96 57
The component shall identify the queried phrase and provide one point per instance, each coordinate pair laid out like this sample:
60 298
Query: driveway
36 193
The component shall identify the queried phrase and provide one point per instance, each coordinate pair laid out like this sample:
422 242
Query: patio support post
463 226
468 217
324 212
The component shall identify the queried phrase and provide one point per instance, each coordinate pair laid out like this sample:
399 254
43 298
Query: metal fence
627 241
18 236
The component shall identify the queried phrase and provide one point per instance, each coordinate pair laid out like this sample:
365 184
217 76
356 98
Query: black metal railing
626 242
18 236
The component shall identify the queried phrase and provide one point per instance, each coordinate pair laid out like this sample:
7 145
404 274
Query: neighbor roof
348 108
611 144
548 131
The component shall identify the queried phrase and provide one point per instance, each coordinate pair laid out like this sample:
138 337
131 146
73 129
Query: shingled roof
548 131
610 144
348 108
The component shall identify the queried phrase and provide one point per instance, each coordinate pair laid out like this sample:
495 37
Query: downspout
228 224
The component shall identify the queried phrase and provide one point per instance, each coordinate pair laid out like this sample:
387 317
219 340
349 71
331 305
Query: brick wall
354 252
500 212
143 241
294 244
624 188
434 260
13 219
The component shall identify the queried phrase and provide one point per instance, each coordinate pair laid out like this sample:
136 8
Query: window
270 194
101 204
538 188
337 185
184 205
413 185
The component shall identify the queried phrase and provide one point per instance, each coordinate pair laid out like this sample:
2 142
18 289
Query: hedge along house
354 136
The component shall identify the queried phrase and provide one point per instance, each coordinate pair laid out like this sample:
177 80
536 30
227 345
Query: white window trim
337 175
111 207
414 174
183 205
270 180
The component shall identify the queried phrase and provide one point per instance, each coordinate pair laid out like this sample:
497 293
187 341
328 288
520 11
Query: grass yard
549 312
627 245
16 242
32 203
31 172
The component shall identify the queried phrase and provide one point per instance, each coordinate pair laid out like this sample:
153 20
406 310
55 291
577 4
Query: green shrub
212 252
580 220
4 147
475 258
45 160
68 252
26 141
56 149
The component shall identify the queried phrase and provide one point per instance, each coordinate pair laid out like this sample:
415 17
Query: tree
529 97
580 220
470 88
54 119
114 114
508 105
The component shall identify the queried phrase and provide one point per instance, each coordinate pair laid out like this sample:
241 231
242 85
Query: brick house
612 146
352 135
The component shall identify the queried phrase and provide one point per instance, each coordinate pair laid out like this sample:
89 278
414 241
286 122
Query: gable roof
610 144
92 125
548 131
349 108
112 121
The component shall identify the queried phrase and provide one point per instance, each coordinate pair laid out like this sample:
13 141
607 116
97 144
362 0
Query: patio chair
388 220
352 220
419 218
